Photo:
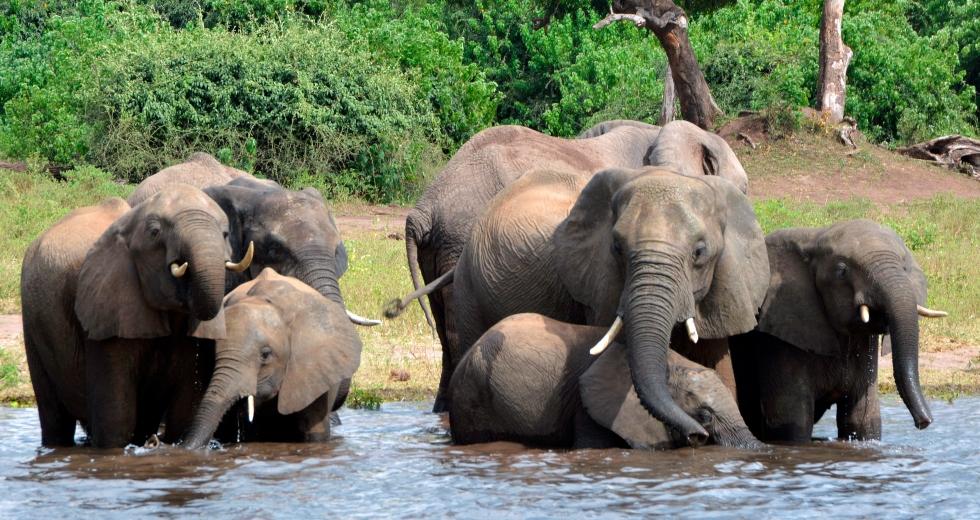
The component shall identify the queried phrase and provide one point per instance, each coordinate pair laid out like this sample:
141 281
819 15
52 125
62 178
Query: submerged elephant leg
111 368
590 435
57 423
858 411
786 397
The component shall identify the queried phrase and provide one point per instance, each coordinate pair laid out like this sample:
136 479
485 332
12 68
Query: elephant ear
109 301
583 242
609 398
792 298
325 351
741 274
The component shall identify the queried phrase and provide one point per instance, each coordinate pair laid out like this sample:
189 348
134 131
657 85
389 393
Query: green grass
29 204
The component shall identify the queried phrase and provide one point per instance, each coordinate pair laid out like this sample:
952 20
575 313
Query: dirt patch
354 219
11 330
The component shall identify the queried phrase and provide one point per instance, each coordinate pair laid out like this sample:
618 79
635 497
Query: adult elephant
112 300
531 379
289 352
439 225
649 248
199 170
833 293
294 233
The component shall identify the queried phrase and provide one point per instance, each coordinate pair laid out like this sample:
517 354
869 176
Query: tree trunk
667 109
834 59
669 23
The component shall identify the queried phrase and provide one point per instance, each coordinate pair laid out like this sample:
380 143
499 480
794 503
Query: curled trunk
205 256
651 291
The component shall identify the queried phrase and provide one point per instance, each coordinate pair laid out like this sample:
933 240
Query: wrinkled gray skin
811 349
649 245
294 233
199 170
108 329
439 225
288 346
607 126
531 379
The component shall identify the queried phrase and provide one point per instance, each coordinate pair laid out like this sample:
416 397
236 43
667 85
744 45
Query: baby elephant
289 354
833 293
532 379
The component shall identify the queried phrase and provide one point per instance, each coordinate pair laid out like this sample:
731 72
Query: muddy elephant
661 253
437 228
200 170
289 354
531 379
833 293
113 298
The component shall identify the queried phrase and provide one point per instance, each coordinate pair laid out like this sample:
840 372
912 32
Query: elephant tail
397 306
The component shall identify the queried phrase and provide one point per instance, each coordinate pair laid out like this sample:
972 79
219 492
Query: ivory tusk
245 261
178 270
692 331
865 314
361 320
929 313
608 338
251 407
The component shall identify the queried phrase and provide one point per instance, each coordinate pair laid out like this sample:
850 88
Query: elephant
113 298
669 256
833 293
531 379
289 352
200 170
437 228
607 126
294 231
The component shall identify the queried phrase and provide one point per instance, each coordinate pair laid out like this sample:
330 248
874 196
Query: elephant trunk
205 254
230 382
650 308
318 270
903 326
735 434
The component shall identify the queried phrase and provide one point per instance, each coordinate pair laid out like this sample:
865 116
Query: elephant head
852 278
653 249
610 400
687 149
167 255
284 342
294 233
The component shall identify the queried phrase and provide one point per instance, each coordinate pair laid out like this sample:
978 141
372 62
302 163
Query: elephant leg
441 304
57 423
590 435
111 368
746 363
787 397
859 414
184 357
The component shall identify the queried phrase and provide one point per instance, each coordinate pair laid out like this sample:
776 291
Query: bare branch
612 18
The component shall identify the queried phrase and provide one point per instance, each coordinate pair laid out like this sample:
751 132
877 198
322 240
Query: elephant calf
289 354
833 293
531 379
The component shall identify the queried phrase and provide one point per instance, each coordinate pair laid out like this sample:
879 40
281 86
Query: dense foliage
366 98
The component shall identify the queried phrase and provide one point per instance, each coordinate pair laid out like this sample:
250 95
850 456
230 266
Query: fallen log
952 151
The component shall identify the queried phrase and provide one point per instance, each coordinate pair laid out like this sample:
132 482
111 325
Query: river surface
397 462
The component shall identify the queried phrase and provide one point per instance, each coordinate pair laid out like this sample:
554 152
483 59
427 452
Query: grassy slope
943 231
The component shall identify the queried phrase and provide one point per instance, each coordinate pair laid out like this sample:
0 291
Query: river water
398 462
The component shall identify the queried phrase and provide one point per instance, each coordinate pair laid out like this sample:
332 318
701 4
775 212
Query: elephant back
200 170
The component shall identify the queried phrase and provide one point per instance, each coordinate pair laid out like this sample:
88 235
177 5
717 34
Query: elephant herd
613 290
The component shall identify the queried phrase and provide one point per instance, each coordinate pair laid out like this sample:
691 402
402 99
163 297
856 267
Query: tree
834 59
669 23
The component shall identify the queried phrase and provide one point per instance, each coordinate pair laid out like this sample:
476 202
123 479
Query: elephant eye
840 270
153 229
700 251
704 416
266 353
